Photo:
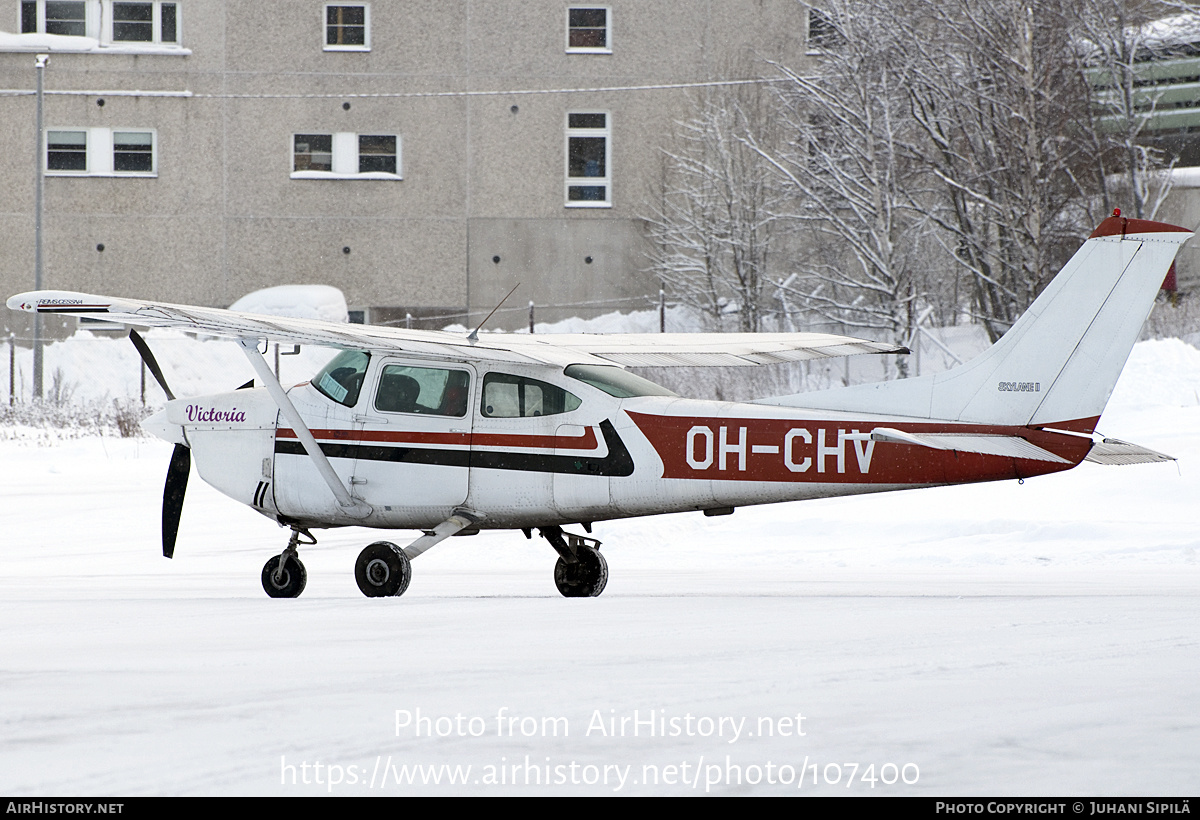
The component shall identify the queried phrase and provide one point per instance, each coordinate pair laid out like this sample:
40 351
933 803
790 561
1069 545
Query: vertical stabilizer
1061 359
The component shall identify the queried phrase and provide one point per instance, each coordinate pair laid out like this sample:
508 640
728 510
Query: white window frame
156 23
100 152
585 182
366 46
345 156
608 32
98 23
91 17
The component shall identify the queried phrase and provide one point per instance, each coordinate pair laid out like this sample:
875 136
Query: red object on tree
1169 283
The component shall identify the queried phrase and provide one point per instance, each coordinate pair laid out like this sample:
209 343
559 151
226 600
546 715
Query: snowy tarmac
1003 639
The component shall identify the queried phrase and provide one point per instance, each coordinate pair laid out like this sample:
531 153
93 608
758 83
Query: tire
585 578
382 570
293 580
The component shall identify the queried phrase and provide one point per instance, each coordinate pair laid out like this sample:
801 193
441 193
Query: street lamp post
39 163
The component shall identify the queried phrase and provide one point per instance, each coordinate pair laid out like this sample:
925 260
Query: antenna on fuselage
473 336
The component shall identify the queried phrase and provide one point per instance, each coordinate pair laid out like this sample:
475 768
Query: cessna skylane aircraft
450 434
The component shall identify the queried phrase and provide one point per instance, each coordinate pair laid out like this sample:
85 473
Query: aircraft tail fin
1059 363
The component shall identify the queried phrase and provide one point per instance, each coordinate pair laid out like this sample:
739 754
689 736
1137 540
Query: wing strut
353 506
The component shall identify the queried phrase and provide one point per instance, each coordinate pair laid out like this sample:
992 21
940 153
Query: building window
68 17
377 154
145 22
589 180
100 152
345 156
133 152
66 151
312 152
589 30
347 28
823 34
111 22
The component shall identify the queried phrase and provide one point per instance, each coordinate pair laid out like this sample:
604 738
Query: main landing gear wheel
286 584
382 570
584 577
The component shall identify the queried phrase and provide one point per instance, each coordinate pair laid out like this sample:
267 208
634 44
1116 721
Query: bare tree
713 227
1116 46
1004 141
924 144
847 171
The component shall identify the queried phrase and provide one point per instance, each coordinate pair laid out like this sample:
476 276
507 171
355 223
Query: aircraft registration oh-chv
449 434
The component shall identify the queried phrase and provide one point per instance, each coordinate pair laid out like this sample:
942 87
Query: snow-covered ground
998 639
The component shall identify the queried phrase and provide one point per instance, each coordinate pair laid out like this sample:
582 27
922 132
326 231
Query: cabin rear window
506 396
342 379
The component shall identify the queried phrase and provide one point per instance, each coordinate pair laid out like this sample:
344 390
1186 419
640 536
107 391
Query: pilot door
414 439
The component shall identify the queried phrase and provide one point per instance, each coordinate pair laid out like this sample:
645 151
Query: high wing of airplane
449 434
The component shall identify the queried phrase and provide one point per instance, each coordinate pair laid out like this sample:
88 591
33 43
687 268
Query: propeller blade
143 350
176 486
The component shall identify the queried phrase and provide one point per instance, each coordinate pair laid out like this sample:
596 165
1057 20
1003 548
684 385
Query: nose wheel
285 582
283 576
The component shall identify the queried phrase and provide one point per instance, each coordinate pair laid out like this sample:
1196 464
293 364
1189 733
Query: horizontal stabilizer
1115 451
987 444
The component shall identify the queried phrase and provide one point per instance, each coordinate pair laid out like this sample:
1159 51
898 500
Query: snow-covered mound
1159 373
296 301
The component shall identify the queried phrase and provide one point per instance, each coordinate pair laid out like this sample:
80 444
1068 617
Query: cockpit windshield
615 381
342 379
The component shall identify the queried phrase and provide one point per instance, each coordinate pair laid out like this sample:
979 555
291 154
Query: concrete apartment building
208 149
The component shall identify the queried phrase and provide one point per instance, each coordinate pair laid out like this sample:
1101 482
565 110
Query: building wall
483 176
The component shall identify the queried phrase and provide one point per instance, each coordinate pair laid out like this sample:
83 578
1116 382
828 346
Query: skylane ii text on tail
433 431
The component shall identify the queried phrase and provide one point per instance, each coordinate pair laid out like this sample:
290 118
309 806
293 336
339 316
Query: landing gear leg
581 571
284 576
383 570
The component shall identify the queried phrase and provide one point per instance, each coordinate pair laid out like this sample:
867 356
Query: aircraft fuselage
597 458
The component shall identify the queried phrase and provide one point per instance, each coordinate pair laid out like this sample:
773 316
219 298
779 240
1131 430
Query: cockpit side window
430 390
506 396
342 379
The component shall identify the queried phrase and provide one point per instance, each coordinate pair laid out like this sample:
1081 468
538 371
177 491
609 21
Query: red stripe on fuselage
809 450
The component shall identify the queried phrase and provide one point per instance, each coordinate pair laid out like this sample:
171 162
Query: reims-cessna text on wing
433 431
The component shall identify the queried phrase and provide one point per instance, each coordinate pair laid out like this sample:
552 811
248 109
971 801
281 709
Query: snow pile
323 302
77 44
1168 33
680 319
47 42
1159 373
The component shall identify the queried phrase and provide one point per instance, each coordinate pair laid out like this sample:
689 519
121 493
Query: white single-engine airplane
449 434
